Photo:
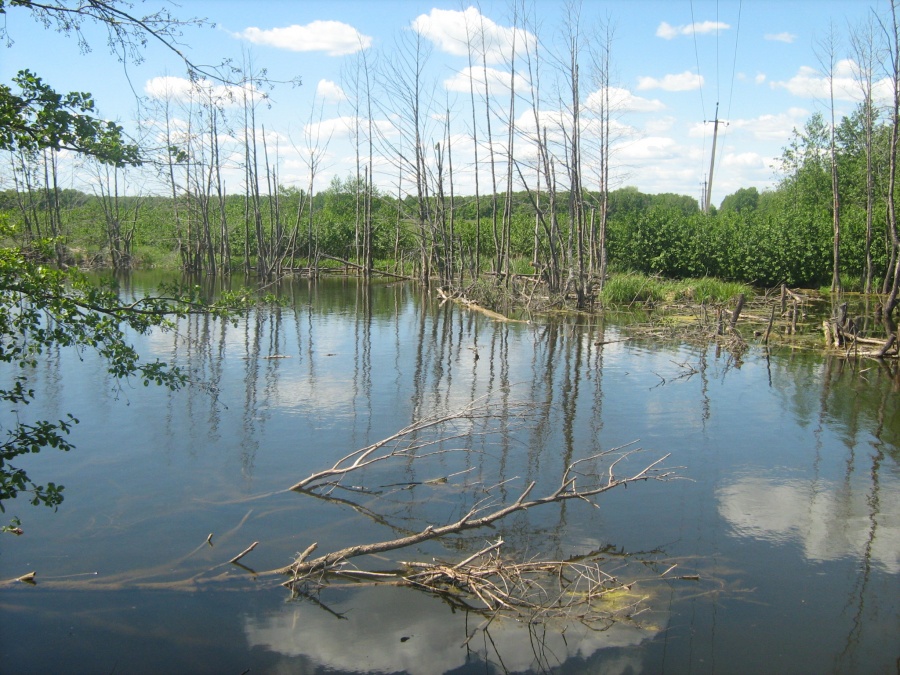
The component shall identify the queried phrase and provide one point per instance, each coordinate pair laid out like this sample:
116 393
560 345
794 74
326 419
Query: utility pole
712 160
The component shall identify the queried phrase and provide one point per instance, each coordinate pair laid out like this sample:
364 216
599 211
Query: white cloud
551 120
377 644
622 100
780 37
342 127
330 92
669 32
182 89
177 88
663 164
760 78
659 125
811 83
686 81
452 30
657 148
745 160
498 81
332 37
772 127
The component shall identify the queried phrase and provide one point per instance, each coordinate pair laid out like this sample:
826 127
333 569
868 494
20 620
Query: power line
718 79
697 57
737 39
737 36
702 102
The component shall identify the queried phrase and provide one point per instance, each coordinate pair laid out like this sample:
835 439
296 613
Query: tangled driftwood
490 581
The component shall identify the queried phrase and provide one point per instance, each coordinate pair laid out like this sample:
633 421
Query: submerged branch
488 511
405 443
489 584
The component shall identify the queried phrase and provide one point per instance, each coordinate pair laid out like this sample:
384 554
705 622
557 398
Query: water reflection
377 630
791 457
829 521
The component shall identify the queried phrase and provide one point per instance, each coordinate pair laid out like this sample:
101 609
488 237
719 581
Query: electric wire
718 79
702 102
697 58
737 37
721 148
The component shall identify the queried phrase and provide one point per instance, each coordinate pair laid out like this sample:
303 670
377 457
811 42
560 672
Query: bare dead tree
313 151
546 222
119 215
490 139
406 100
582 479
863 45
601 58
826 52
23 167
470 53
506 234
576 189
891 287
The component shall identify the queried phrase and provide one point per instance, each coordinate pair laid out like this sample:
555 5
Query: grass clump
708 291
630 289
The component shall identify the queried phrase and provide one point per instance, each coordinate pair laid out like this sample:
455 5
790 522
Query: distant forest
785 235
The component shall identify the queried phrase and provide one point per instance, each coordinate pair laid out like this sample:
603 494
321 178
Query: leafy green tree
42 307
742 201
35 315
37 117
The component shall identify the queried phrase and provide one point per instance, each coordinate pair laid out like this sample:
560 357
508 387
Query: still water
787 510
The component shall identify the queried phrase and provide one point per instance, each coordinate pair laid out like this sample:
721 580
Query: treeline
778 236
146 224
541 203
784 235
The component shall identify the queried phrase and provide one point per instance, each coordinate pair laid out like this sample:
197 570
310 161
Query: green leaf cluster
42 308
36 117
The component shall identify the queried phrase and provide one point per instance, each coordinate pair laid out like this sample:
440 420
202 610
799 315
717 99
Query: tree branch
301 570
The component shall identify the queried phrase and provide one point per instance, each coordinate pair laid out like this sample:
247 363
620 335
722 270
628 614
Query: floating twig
244 552
27 578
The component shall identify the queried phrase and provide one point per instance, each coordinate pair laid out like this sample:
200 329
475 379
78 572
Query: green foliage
37 117
629 289
659 241
708 290
744 200
42 308
489 293
779 236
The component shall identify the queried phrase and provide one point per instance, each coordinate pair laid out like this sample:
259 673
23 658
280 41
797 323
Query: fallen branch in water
244 552
488 510
407 442
488 582
534 591
471 304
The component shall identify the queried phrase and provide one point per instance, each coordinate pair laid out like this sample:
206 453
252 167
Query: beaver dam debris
782 316
489 580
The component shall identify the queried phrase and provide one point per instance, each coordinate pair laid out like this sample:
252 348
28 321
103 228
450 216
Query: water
788 509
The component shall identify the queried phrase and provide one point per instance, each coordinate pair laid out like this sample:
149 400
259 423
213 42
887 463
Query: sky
674 64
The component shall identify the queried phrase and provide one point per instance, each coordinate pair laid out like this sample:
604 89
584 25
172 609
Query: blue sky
672 61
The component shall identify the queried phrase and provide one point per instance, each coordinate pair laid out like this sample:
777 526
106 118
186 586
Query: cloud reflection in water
830 521
390 630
